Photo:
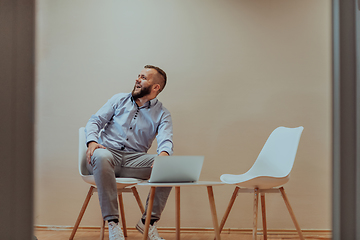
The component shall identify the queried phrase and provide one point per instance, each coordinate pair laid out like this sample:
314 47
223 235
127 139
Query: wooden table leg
213 212
148 213
177 212
256 203
291 213
263 210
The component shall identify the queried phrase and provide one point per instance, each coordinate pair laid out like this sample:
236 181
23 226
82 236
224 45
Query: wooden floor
90 234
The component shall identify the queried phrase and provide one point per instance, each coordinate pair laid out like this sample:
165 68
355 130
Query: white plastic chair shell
273 166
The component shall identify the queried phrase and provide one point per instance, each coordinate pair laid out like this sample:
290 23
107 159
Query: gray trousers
107 164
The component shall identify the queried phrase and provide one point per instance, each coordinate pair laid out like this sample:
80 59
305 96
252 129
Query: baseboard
306 232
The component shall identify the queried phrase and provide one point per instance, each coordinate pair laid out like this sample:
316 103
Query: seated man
118 137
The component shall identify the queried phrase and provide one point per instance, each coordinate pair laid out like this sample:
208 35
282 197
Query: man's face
144 83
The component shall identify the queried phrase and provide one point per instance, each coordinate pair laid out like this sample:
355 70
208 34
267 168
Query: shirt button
130 128
122 148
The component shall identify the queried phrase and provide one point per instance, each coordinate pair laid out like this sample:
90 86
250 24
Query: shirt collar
148 104
152 102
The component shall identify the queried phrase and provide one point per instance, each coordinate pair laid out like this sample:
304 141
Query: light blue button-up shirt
120 124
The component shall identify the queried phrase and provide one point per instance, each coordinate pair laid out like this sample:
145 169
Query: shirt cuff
91 139
168 150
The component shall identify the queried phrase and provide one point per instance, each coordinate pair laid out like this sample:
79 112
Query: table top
179 184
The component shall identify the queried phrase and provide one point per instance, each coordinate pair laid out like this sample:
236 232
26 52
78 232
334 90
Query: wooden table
177 186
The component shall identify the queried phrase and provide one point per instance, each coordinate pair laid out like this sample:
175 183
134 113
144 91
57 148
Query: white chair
271 169
123 185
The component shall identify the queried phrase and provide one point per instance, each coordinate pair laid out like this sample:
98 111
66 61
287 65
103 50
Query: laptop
167 169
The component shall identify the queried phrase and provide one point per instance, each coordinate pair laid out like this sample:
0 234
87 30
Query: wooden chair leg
230 205
291 213
137 197
102 230
122 214
263 211
82 211
256 203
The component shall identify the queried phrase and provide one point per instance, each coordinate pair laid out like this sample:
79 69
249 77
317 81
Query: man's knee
102 157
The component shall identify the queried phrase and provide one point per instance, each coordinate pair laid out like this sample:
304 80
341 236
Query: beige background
237 70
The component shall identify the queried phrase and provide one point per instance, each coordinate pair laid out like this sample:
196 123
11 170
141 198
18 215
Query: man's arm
164 136
99 120
96 123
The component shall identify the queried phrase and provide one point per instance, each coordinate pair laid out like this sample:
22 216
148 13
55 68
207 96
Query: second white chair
271 169
123 185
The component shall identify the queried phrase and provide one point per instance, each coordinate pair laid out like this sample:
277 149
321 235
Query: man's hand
91 148
163 153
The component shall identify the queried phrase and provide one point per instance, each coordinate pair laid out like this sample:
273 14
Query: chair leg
263 210
82 211
137 197
102 230
291 213
256 203
230 205
122 214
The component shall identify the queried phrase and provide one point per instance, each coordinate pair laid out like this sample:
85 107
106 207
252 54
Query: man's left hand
163 154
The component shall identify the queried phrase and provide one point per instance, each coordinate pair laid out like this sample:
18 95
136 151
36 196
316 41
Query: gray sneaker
153 233
115 232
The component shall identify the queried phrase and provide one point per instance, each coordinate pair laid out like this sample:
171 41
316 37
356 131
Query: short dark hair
162 73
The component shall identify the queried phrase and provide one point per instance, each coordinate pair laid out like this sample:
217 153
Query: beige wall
236 69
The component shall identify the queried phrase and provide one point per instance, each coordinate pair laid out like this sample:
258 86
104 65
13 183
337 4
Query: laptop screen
176 169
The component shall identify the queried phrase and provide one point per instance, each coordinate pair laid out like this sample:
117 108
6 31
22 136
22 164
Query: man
118 137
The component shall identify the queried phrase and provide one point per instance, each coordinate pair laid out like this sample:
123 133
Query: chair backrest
82 153
277 157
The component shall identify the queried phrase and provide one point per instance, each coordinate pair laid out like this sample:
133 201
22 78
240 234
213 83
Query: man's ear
156 87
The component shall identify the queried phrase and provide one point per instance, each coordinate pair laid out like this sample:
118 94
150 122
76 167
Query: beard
143 92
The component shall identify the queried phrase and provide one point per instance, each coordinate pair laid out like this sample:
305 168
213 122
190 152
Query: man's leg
102 167
138 165
160 198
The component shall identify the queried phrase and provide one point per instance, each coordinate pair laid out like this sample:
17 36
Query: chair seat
120 182
250 181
